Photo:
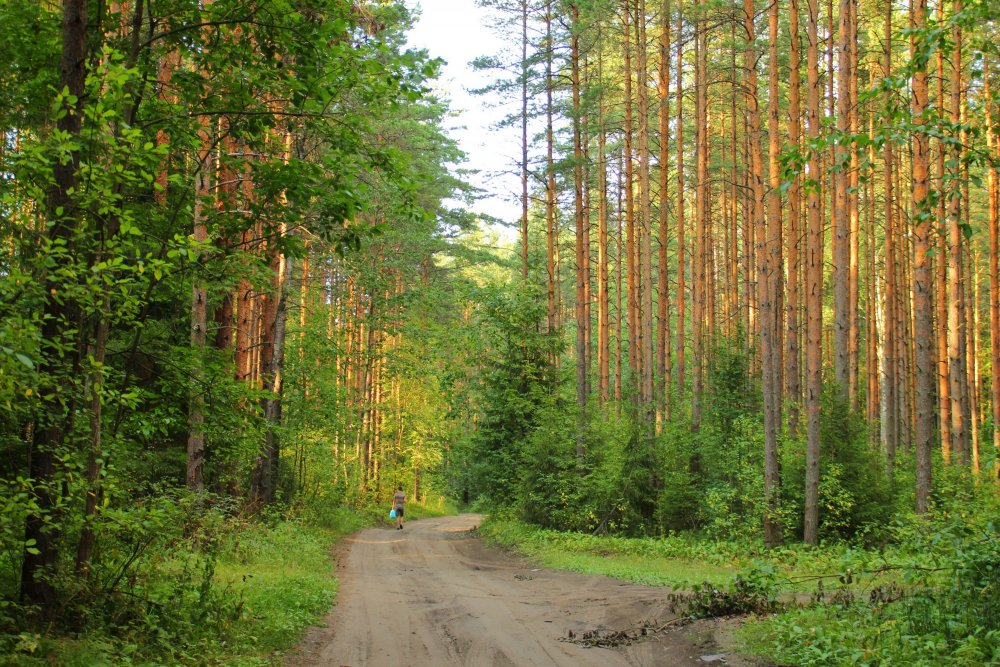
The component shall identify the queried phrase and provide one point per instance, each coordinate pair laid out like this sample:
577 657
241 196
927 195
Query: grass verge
647 561
241 603
915 604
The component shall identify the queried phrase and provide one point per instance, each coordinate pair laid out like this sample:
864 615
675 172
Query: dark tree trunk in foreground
60 331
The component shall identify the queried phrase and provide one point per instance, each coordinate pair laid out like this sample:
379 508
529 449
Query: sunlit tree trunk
814 285
524 140
890 411
971 300
994 226
853 217
645 282
941 273
663 297
603 344
734 202
681 265
701 213
630 245
873 322
619 283
841 224
582 261
550 182
922 279
956 336
769 259
793 382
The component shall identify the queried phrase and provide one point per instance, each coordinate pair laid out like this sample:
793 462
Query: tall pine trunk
890 409
793 382
771 278
663 296
582 258
681 260
645 263
922 279
524 140
701 214
841 224
957 385
603 339
994 226
550 181
814 286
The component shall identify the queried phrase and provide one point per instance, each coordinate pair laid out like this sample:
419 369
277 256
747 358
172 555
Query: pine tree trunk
550 185
582 259
921 280
852 211
890 410
841 224
768 245
994 226
603 344
524 140
793 382
956 338
681 260
701 214
271 360
630 243
972 345
199 325
645 293
663 296
941 276
814 288
872 321
619 284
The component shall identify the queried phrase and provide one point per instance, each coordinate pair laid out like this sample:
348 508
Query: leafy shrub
751 592
944 610
681 493
732 505
855 494
212 588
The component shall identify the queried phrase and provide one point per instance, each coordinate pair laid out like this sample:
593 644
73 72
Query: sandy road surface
433 595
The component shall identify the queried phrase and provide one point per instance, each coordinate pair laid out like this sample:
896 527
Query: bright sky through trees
459 31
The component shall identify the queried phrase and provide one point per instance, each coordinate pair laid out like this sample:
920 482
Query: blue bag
392 513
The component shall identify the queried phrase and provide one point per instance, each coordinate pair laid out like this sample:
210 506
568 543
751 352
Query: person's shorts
399 512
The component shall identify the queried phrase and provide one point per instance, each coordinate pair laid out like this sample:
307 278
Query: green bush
732 505
941 605
189 581
856 499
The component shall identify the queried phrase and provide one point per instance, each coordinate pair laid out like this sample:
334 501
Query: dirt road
433 595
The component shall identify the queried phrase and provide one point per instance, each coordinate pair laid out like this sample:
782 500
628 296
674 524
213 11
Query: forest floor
434 595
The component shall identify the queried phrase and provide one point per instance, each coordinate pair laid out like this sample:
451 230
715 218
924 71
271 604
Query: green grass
911 604
866 636
284 578
627 559
241 607
677 561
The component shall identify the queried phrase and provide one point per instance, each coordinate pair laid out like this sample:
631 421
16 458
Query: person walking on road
398 499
